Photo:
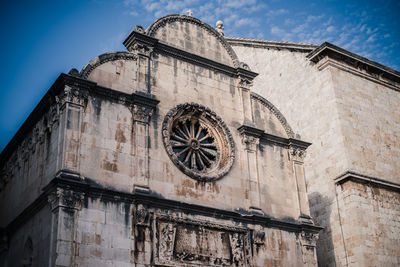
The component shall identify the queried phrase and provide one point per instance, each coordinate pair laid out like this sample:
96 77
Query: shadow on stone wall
321 208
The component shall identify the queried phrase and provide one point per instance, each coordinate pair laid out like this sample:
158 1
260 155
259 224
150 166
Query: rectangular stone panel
199 243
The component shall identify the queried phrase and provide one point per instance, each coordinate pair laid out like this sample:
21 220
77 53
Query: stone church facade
195 149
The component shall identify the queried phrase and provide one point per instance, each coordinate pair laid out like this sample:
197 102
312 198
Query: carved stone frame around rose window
222 139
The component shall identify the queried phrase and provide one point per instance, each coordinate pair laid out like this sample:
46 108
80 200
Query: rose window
198 142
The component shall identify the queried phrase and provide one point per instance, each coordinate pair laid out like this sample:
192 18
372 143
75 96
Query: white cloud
330 29
371 39
277 12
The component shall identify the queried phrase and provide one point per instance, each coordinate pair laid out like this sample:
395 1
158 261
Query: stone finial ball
219 24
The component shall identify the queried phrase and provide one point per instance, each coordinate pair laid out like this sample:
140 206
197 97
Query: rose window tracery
198 141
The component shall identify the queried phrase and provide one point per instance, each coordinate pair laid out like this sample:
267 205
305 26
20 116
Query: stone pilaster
69 107
142 232
296 156
143 46
251 140
64 204
308 242
142 110
244 85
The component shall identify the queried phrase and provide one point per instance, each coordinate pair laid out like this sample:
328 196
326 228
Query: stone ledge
361 178
270 138
66 179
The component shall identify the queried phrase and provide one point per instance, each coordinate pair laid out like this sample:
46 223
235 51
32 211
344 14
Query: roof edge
352 59
270 44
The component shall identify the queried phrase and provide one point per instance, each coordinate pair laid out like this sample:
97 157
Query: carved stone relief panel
197 243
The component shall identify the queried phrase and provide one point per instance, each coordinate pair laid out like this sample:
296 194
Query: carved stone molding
198 141
65 198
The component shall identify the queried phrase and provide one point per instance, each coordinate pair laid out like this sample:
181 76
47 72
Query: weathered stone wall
108 138
370 121
370 224
30 243
32 164
307 99
350 117
104 235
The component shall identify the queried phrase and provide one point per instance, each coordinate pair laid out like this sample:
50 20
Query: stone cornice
356 63
298 47
361 178
50 98
74 182
166 49
270 138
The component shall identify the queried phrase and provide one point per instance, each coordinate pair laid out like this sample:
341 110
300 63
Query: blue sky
41 39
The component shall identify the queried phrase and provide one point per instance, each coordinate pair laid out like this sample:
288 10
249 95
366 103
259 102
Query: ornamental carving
297 154
68 199
142 113
181 242
198 142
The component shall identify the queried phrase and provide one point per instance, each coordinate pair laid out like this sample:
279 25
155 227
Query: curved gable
194 36
268 118
115 70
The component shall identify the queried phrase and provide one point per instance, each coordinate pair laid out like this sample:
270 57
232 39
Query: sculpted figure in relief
167 242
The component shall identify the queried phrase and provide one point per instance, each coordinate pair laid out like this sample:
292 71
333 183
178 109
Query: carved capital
297 154
142 216
66 199
72 95
142 113
259 237
141 49
245 83
250 142
308 238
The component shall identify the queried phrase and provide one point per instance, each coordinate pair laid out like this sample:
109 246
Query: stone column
64 204
296 155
